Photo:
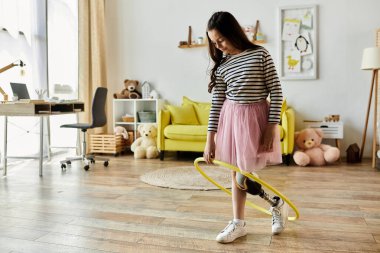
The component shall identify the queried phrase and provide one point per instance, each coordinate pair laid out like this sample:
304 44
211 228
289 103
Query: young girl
242 77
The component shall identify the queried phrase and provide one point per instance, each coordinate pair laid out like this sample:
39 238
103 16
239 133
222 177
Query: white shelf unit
121 107
331 130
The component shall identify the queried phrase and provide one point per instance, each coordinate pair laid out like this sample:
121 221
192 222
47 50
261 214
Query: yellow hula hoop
251 176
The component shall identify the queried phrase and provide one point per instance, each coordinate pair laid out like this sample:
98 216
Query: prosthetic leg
254 188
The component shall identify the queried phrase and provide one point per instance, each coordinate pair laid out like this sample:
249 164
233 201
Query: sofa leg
287 159
162 155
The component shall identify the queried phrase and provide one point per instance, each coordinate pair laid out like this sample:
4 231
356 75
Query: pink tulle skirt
238 138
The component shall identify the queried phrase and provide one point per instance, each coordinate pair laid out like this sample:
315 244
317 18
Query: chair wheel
92 161
86 167
63 166
68 162
105 164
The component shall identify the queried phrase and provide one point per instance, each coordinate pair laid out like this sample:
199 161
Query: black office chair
99 119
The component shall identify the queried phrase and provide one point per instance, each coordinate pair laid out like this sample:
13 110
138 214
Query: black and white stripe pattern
248 77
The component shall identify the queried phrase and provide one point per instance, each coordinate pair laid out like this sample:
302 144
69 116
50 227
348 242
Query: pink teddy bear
311 151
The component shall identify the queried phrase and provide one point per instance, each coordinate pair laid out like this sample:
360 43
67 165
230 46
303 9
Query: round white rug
188 178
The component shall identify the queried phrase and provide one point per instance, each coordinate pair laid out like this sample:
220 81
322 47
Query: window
62 23
23 37
44 35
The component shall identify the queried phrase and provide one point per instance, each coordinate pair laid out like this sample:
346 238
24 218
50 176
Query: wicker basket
107 143
128 119
131 138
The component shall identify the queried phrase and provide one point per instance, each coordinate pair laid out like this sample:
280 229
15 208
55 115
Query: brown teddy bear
311 151
130 90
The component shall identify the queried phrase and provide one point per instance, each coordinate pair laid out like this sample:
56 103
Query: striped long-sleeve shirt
247 77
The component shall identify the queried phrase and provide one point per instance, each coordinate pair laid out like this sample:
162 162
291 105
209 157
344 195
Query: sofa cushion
202 109
186 132
183 115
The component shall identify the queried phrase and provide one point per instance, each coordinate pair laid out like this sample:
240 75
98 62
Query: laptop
20 90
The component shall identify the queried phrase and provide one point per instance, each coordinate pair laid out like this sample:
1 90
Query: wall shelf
192 46
259 41
188 44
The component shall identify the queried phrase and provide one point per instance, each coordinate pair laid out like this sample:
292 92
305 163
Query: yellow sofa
173 135
287 128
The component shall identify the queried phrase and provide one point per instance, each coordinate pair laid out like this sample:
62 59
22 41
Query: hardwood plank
377 238
263 228
244 244
250 242
30 213
27 246
329 245
105 245
98 233
20 233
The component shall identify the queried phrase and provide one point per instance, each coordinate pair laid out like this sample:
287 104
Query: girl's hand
209 152
266 143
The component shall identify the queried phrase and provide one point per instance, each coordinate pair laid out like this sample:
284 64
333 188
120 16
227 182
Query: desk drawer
331 130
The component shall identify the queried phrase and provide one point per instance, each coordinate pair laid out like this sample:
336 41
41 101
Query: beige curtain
92 54
377 42
378 45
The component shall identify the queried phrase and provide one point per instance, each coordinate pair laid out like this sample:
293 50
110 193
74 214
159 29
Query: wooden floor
111 210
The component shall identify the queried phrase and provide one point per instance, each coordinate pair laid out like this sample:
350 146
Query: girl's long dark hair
226 24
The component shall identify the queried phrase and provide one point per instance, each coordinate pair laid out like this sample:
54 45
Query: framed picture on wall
298 42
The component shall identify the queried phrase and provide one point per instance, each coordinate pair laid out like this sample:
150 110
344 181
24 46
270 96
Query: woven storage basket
128 119
107 143
131 138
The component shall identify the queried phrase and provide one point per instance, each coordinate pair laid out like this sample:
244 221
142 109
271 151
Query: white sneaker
279 215
231 232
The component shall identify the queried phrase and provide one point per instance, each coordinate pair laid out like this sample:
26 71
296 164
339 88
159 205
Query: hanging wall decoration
298 42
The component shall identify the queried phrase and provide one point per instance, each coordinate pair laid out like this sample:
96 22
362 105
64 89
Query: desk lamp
9 66
371 61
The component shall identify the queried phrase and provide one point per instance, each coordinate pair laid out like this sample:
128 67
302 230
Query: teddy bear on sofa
130 90
311 151
146 145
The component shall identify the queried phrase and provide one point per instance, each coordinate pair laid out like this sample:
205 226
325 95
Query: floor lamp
371 61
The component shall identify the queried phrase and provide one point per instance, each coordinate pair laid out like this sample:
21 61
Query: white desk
35 109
